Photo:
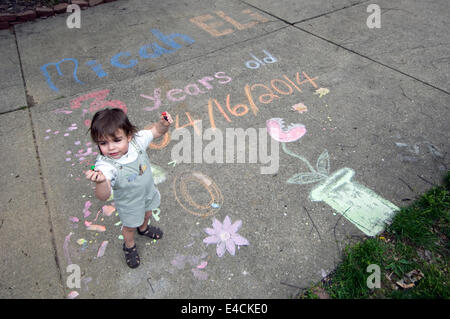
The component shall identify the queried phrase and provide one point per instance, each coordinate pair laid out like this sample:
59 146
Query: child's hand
163 120
95 176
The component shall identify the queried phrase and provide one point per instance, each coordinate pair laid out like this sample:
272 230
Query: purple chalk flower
225 236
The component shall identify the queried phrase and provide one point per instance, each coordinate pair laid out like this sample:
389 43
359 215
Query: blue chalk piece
214 205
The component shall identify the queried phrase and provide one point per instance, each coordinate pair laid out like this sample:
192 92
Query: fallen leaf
410 279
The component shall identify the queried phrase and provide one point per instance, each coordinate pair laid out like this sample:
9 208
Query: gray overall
134 189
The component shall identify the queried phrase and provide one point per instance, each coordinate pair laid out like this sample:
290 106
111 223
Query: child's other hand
169 119
95 176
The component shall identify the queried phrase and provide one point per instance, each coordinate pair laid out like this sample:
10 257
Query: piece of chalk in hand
165 117
93 167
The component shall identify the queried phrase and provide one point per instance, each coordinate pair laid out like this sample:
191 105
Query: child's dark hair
106 123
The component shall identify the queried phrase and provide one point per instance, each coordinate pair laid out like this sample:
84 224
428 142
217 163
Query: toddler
123 166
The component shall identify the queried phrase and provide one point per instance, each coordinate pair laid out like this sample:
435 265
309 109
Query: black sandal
151 232
131 256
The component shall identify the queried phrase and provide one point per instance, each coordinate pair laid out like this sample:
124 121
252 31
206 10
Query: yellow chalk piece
81 241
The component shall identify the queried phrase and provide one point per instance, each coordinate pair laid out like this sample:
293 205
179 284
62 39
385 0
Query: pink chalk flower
225 236
277 130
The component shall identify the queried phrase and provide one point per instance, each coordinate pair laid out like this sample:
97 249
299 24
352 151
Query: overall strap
136 146
110 161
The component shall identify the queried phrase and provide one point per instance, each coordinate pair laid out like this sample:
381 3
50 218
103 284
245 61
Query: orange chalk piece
99 228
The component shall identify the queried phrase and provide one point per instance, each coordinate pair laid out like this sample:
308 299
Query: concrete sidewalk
370 113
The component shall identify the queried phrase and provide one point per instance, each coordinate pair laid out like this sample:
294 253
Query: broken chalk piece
101 250
108 210
72 295
202 265
99 228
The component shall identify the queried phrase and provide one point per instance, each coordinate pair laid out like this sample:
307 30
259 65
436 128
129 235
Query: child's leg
149 231
128 236
143 227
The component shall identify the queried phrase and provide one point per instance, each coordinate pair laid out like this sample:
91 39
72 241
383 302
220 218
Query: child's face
115 146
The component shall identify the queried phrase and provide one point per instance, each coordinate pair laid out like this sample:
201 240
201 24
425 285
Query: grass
417 240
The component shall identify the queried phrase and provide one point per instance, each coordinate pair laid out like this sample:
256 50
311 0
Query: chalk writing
122 60
204 22
256 63
191 89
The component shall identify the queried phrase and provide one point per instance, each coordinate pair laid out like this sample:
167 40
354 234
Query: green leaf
323 163
305 178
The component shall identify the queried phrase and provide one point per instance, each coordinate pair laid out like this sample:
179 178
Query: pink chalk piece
202 265
66 134
66 248
68 152
101 250
108 210
77 143
87 223
68 159
74 219
55 132
48 130
73 294
99 228
86 211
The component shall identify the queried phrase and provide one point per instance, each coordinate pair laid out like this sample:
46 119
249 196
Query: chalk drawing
321 92
225 236
180 261
183 197
360 205
300 108
97 104
278 131
414 150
